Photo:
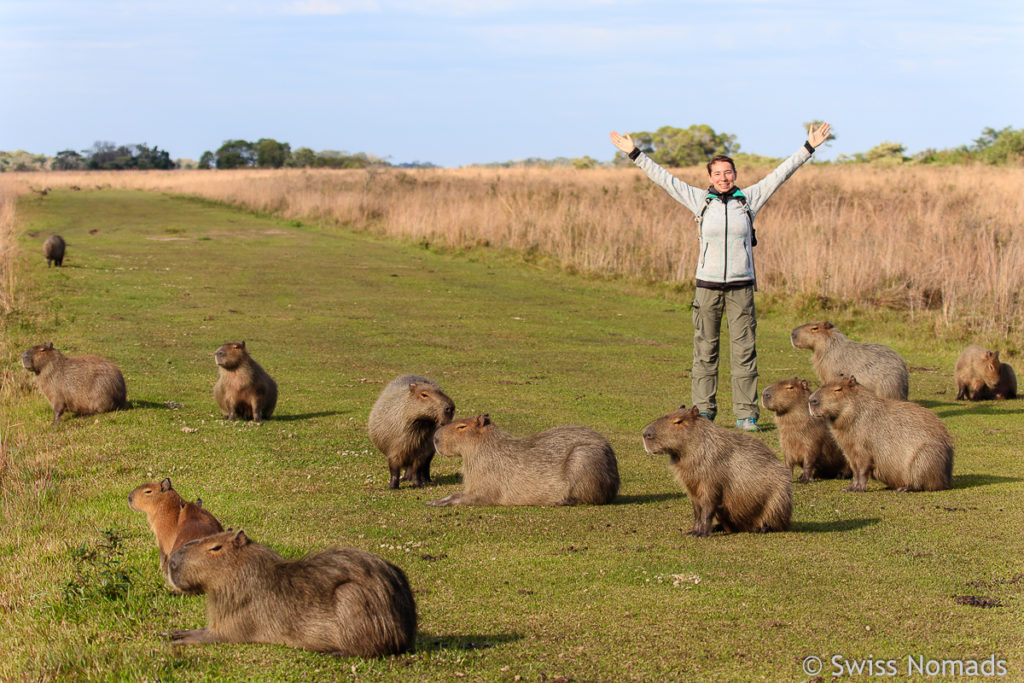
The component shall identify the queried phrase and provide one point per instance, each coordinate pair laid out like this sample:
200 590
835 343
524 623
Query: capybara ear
694 412
483 420
240 539
181 503
852 382
49 345
804 385
682 406
199 502
827 325
242 345
165 485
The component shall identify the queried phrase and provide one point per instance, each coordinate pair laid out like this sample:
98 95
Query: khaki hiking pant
738 305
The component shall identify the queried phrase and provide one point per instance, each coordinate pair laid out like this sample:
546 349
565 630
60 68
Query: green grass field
609 593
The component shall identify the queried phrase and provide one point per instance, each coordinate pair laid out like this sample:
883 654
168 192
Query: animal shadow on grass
965 408
832 527
135 404
646 498
445 479
429 643
969 481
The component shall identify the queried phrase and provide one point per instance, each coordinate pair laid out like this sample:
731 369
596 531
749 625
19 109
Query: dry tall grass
948 239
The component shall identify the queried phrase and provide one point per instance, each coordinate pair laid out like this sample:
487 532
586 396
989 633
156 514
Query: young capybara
980 375
402 424
342 600
729 475
83 385
560 466
243 389
879 368
53 250
806 441
174 520
902 444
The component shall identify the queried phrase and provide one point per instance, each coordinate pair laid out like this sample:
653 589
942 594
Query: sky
458 82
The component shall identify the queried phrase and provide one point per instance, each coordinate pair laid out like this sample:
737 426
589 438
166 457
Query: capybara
53 249
902 444
729 475
174 520
560 466
402 424
878 367
342 600
82 385
980 375
806 441
243 389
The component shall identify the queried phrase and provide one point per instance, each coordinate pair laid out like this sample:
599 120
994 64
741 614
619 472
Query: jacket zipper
725 250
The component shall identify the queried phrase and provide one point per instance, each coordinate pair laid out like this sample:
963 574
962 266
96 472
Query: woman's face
723 176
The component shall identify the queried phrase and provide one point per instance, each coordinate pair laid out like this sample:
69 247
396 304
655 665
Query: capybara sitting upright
342 600
174 520
901 443
83 385
729 475
878 367
806 441
980 375
560 466
53 250
402 424
243 389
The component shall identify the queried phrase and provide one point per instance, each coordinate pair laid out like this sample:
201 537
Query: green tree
235 154
885 154
691 146
1000 146
271 154
152 158
68 160
207 160
303 157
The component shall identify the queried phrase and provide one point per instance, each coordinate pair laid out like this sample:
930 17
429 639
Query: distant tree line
106 156
995 146
269 153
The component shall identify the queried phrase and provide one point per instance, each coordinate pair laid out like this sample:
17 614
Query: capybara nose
174 563
648 433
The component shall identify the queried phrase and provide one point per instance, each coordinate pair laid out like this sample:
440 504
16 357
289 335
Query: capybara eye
461 427
215 548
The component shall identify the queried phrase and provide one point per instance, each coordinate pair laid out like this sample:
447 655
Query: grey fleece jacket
726 254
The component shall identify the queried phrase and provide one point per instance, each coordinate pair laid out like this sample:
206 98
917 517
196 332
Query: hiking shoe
708 416
747 424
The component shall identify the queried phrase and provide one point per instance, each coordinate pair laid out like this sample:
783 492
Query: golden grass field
915 238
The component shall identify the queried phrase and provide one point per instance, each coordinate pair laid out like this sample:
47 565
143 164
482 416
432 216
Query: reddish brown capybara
343 600
83 385
980 375
880 368
900 443
806 441
174 520
402 423
243 390
728 475
561 466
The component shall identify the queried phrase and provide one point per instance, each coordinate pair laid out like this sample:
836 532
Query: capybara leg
454 499
58 410
257 414
396 474
807 475
422 476
859 483
961 391
192 637
703 516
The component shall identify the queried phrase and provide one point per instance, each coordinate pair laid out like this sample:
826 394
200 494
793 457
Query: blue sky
456 82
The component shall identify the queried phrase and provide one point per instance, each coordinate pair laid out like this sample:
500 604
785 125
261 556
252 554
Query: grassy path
156 283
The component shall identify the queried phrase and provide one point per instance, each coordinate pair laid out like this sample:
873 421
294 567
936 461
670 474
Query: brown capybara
900 443
53 250
729 475
806 441
243 389
402 424
879 368
342 600
83 385
174 520
980 375
560 466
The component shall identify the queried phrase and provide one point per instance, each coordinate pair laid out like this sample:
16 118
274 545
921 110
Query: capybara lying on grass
806 441
980 375
402 424
878 367
729 475
560 466
343 600
243 389
901 443
83 385
174 520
